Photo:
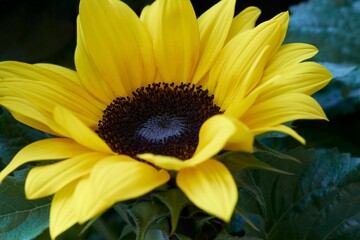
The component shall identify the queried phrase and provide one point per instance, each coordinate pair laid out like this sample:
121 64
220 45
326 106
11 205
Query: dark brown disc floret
161 119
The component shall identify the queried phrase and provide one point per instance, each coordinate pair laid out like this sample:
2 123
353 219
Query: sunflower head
160 93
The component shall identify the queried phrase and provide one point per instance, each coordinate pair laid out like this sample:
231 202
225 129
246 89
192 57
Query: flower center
161 119
158 129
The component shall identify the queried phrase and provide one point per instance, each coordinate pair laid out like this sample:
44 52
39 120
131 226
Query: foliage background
319 201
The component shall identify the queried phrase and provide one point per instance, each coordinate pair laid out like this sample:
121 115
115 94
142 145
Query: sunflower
154 95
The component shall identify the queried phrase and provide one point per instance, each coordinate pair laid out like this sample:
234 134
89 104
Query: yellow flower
163 92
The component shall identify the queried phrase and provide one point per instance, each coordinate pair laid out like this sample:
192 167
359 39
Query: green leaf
14 136
175 201
147 214
265 149
320 201
21 218
236 161
251 202
123 209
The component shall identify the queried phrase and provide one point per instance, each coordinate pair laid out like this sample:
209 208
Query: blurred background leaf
342 96
331 25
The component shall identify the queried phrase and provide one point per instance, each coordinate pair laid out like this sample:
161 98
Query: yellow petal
51 74
62 71
47 149
290 54
23 111
242 139
62 215
84 200
280 128
210 187
240 64
174 30
118 178
135 178
46 180
114 52
245 20
165 162
50 85
214 135
90 76
248 82
45 96
78 131
242 103
282 109
214 25
306 77
48 73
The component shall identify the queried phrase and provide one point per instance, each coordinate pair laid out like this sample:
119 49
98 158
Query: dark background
45 30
